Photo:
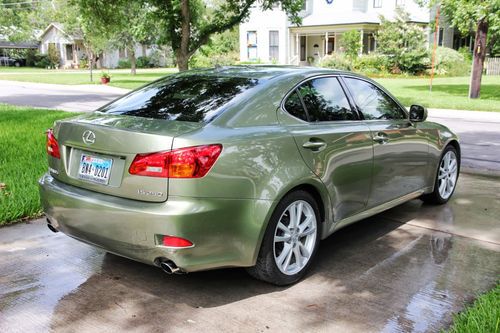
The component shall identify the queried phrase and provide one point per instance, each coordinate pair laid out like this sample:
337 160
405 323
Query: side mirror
418 113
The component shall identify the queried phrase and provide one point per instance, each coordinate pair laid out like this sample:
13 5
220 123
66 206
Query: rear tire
446 178
290 242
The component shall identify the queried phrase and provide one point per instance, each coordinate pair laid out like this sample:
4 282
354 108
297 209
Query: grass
483 316
119 77
447 92
22 159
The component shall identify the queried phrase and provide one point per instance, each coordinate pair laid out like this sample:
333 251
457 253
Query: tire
447 174
278 239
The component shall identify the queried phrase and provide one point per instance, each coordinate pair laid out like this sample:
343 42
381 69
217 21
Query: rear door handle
381 138
314 145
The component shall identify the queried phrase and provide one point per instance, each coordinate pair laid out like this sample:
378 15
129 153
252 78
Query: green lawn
481 317
447 92
22 159
119 77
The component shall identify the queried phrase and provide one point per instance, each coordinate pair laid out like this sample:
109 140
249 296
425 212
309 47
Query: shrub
414 61
372 63
351 42
124 63
466 53
42 61
53 56
143 62
337 61
450 62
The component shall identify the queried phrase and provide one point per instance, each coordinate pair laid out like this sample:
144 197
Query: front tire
290 242
446 178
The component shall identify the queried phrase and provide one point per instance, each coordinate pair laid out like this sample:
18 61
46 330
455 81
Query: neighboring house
72 50
269 36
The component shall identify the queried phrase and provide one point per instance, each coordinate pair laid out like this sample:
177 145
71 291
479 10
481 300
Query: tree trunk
478 59
131 58
182 54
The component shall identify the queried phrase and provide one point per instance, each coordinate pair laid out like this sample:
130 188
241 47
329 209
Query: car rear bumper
225 232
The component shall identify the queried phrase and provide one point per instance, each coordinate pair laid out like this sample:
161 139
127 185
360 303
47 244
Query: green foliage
53 56
337 61
482 316
451 62
372 64
105 75
124 63
144 62
404 43
42 61
221 50
351 42
466 53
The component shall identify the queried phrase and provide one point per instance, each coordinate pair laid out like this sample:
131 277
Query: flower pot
105 80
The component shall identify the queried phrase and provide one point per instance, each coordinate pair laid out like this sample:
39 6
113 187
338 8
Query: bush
200 60
414 62
372 63
42 61
124 63
351 42
143 62
337 61
53 56
450 62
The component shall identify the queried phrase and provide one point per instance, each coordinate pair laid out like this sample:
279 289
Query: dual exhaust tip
50 226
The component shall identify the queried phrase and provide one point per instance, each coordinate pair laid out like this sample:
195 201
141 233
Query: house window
274 48
440 36
69 52
400 3
252 45
377 3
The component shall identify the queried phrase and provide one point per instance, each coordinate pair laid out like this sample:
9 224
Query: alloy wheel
447 177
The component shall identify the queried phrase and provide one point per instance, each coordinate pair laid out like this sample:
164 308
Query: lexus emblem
88 137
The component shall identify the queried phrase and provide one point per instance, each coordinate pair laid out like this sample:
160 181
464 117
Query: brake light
172 241
191 162
52 145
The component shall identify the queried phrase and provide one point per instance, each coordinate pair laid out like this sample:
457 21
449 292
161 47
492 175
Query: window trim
394 99
354 108
377 3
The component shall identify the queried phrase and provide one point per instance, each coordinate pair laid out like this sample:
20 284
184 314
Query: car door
333 141
400 151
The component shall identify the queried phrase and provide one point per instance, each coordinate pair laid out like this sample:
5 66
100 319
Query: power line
8 4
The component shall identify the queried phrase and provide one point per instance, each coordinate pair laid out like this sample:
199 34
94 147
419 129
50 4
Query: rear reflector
52 145
191 162
172 241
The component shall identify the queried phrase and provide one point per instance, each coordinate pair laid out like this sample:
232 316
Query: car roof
262 72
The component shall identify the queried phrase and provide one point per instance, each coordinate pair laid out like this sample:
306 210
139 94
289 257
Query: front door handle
314 145
381 138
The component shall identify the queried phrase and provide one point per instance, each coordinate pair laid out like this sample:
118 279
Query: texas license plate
95 169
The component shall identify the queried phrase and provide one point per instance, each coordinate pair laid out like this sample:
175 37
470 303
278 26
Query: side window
373 102
325 100
293 106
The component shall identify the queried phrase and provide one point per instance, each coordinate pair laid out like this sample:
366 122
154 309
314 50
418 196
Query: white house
71 48
270 37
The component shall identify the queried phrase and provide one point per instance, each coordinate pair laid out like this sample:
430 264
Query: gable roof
60 27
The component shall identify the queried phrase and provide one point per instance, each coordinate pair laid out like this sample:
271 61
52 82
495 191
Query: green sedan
241 167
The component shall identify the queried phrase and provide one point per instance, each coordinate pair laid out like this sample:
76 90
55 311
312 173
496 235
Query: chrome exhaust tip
169 267
51 227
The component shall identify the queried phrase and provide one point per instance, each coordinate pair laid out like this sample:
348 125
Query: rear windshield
182 98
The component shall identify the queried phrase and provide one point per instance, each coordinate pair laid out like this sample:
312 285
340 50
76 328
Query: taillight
191 162
52 145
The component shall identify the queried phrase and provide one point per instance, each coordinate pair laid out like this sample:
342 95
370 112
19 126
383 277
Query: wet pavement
405 270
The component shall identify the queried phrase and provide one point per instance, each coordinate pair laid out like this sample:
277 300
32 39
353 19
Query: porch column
335 42
297 44
361 49
326 44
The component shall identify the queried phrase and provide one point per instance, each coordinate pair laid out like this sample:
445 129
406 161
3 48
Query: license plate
95 169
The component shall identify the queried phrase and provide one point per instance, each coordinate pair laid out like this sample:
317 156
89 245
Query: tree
124 23
351 42
481 16
403 42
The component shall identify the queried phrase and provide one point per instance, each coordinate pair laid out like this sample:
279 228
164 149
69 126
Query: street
408 269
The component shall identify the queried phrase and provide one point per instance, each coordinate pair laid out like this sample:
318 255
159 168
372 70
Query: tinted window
373 102
325 100
183 98
293 105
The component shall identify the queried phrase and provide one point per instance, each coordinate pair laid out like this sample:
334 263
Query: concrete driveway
406 270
